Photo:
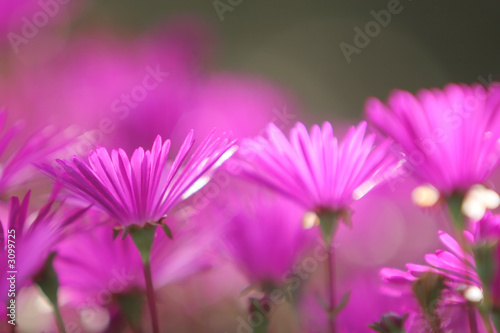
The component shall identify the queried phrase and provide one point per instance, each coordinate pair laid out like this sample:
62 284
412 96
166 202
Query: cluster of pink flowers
106 230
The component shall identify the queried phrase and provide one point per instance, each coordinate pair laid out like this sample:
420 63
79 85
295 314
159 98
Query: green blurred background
296 43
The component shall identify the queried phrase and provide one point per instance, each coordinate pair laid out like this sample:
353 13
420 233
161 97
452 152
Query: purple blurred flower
16 167
144 188
21 21
487 229
450 136
32 240
265 237
93 267
487 235
242 104
122 92
314 169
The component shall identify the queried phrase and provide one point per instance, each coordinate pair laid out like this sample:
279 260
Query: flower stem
258 307
151 296
458 219
48 282
143 238
59 319
329 222
131 305
331 287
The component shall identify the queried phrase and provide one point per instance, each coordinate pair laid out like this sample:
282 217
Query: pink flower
450 136
30 240
265 237
144 188
314 169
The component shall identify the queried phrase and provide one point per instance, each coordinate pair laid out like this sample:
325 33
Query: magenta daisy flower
315 169
27 244
321 174
142 189
265 237
450 137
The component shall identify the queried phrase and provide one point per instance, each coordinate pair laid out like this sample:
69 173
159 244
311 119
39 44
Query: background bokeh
296 43
237 65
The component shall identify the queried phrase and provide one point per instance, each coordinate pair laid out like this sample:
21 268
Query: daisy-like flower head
450 137
315 169
31 239
142 189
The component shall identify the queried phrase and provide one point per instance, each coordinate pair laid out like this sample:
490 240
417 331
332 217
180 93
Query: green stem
329 222
143 238
257 308
495 316
131 309
459 221
331 288
48 282
151 297
59 319
455 208
262 328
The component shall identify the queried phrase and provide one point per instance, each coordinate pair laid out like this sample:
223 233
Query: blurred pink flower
19 152
21 21
123 93
450 136
265 237
32 240
487 233
93 267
